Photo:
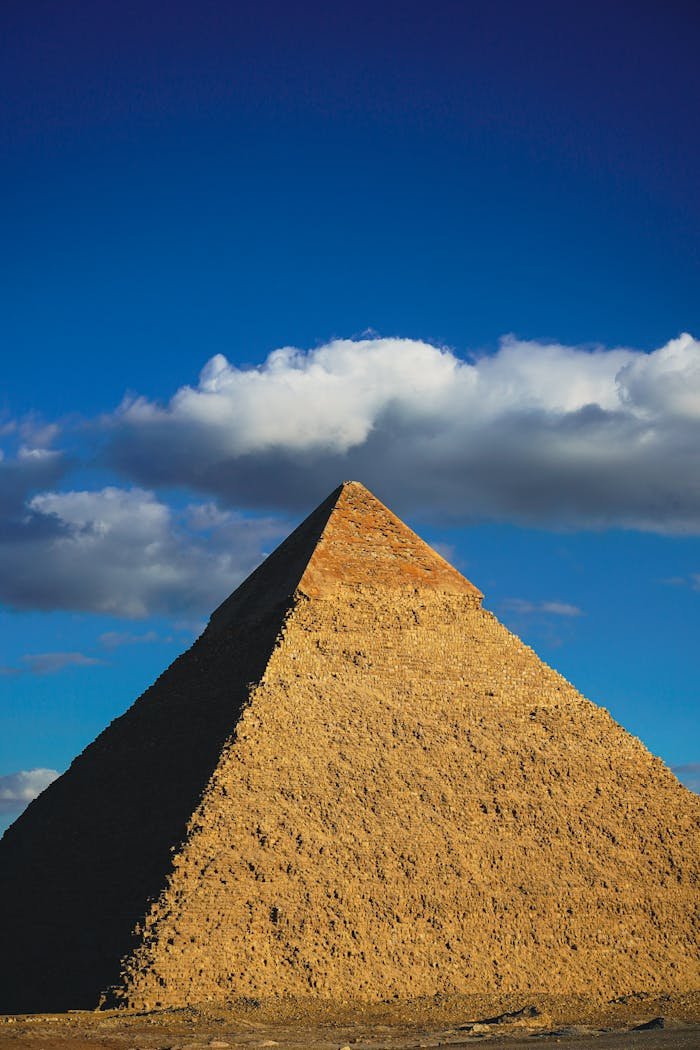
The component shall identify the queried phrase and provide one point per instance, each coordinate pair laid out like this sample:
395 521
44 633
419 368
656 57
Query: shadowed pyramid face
357 784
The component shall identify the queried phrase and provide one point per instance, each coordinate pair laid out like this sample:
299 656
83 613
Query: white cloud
18 789
124 552
328 398
331 398
665 383
536 433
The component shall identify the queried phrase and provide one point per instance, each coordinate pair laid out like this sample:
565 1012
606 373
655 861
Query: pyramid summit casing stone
356 784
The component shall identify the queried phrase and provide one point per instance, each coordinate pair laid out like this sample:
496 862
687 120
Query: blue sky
478 226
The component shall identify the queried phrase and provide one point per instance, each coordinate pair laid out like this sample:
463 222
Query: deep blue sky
181 178
184 179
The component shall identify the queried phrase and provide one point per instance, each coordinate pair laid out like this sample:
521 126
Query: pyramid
356 785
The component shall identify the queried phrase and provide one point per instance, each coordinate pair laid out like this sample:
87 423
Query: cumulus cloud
689 774
535 433
126 553
22 474
18 789
666 382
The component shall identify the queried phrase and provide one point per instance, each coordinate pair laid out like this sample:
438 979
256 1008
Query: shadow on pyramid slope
80 867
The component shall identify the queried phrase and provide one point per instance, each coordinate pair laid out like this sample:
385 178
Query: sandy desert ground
647 1022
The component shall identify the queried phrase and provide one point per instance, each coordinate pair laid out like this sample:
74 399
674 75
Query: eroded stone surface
364 544
415 803
390 796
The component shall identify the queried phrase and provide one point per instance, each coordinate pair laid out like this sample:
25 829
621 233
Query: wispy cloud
18 789
446 551
689 774
542 608
52 663
115 639
692 580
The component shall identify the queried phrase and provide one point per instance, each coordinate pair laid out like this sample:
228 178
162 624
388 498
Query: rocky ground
648 1022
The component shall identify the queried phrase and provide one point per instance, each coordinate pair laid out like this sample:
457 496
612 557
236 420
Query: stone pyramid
356 785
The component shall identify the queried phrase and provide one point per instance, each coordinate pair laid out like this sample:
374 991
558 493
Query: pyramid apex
349 486
350 539
364 543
